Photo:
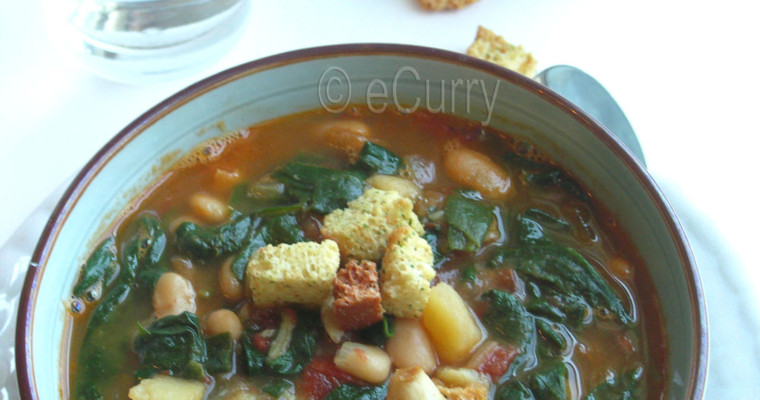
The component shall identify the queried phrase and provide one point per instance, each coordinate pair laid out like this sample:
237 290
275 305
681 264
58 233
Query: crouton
461 384
162 387
300 273
492 47
362 229
357 301
437 5
406 273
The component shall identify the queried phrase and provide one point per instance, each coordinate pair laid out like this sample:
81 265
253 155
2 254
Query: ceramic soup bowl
384 76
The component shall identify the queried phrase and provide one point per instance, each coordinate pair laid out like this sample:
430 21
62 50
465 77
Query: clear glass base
143 41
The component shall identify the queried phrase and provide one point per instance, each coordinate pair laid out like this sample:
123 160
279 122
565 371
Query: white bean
346 135
410 346
173 295
232 288
209 208
221 321
477 171
404 187
225 180
365 362
329 321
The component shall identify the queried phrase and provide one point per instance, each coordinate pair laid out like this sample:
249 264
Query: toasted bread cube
300 273
437 5
406 273
492 47
362 229
450 323
162 387
357 301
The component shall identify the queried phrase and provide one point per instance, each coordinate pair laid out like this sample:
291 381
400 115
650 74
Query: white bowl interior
285 89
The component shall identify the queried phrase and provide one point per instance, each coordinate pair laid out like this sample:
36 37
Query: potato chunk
450 323
162 387
412 384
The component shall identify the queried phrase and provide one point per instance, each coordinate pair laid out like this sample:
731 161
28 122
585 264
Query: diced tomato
260 342
507 277
497 362
262 318
321 376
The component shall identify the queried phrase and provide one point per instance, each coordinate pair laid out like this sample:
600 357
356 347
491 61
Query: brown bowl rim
27 384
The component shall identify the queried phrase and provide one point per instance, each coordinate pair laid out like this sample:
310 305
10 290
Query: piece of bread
437 5
300 273
492 47
406 273
162 387
357 301
362 229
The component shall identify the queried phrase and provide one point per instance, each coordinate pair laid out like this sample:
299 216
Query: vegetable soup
365 256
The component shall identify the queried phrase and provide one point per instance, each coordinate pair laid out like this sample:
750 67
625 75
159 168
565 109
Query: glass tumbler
142 41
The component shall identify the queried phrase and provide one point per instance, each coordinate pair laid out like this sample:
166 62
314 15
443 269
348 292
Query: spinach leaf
553 339
354 392
324 189
259 237
624 387
514 390
143 250
284 229
99 268
469 273
101 356
379 159
560 179
172 344
531 226
546 175
220 349
335 191
529 231
507 318
468 220
204 243
88 393
432 239
546 219
379 332
276 387
565 271
550 383
252 358
562 308
302 346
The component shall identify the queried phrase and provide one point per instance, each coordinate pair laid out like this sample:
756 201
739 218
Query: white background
685 73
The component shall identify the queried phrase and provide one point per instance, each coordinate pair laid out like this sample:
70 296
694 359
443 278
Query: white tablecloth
684 72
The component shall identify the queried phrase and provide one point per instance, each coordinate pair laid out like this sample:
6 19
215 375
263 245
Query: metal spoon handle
588 94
